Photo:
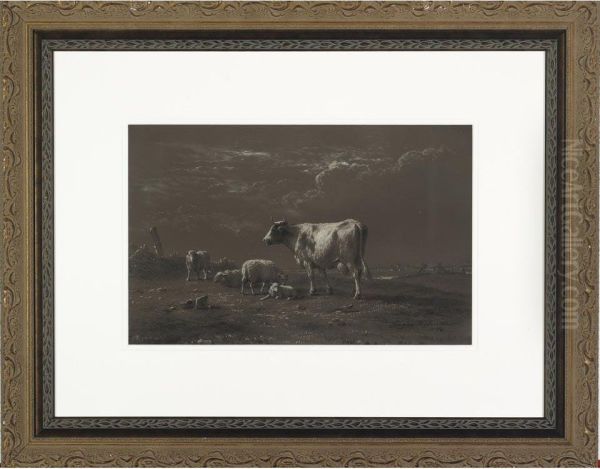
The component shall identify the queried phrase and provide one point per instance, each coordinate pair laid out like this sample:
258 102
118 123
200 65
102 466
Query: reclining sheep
277 291
260 270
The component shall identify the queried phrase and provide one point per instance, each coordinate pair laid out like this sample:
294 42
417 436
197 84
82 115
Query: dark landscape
395 200
429 308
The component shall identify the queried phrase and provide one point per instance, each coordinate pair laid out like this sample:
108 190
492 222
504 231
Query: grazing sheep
195 261
277 290
260 270
229 278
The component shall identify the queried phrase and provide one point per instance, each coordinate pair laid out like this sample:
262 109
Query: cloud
221 193
414 157
340 172
348 176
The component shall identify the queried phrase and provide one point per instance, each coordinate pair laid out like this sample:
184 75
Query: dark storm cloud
216 187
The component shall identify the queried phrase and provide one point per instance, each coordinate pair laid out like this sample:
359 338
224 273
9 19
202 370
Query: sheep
260 270
229 278
277 290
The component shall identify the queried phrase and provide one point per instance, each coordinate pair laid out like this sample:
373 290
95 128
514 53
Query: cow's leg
356 273
251 287
198 274
188 275
205 274
328 288
262 288
243 283
311 278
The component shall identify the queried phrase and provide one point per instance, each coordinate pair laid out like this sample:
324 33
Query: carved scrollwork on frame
18 236
304 458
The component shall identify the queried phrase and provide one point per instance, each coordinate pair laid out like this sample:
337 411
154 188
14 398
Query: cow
322 246
197 261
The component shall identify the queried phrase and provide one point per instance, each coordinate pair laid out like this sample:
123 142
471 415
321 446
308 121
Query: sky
216 187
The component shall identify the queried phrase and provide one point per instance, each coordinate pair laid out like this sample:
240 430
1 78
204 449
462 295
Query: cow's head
277 232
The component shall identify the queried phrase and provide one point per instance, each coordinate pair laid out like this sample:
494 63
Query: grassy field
417 309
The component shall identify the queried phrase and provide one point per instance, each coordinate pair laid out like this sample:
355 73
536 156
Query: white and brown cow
322 246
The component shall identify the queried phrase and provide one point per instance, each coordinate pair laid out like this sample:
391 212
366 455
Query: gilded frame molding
24 443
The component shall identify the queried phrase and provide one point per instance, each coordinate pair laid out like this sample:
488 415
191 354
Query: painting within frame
575 445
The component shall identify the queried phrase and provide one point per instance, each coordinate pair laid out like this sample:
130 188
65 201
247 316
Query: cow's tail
362 245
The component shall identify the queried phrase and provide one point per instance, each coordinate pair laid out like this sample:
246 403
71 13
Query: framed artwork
326 234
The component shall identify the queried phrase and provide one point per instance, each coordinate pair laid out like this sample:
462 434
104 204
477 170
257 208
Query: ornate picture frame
567 434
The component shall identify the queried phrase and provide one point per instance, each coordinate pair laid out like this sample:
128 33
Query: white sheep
229 278
277 290
260 270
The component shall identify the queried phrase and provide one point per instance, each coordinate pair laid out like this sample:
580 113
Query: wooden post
158 249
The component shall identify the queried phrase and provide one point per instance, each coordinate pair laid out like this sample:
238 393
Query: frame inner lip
548 425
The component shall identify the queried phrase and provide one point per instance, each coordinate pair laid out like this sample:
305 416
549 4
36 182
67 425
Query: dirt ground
418 309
